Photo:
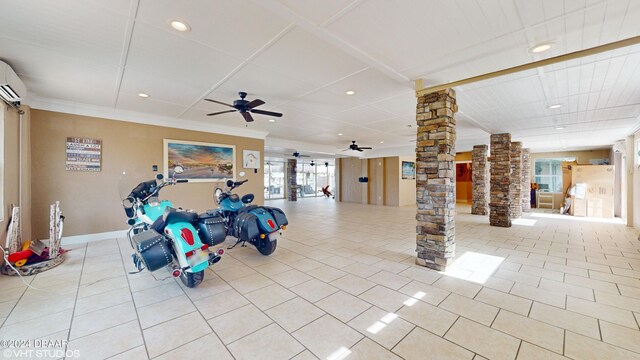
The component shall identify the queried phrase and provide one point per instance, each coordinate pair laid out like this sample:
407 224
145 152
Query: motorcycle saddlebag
211 228
278 215
245 227
153 249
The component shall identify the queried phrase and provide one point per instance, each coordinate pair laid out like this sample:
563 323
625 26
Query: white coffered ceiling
302 56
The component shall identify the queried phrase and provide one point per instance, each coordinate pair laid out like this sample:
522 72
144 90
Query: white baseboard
82 239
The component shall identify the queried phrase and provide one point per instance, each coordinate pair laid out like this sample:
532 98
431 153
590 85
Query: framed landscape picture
202 162
408 170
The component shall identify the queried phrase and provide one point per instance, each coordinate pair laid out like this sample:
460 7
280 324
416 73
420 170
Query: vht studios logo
40 353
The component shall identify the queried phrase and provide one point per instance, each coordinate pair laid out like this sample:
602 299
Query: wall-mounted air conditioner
12 89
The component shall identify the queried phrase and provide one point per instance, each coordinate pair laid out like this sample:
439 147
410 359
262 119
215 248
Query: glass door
274 180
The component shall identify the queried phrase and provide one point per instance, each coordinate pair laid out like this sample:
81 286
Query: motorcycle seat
172 216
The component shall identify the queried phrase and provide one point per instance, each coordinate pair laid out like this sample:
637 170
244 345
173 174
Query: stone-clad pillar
292 182
526 180
499 209
516 180
435 179
480 180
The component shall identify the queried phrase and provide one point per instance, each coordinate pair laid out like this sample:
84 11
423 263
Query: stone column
480 180
526 180
435 179
516 180
499 209
292 182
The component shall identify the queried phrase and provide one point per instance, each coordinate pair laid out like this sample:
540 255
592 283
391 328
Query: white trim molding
87 238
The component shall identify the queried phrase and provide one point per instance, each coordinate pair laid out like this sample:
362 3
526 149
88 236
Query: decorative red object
187 235
271 223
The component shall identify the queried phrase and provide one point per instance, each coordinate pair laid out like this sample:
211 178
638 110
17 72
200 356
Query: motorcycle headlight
153 201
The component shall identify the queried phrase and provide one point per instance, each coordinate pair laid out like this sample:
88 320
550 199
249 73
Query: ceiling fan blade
304 156
365 148
359 149
262 112
247 117
255 103
221 112
219 102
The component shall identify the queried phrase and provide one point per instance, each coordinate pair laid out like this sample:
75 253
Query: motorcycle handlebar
182 180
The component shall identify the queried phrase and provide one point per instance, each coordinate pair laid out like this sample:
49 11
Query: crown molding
75 108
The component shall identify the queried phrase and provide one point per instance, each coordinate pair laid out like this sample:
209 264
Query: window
548 174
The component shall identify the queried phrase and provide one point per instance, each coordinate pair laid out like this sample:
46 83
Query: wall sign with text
83 154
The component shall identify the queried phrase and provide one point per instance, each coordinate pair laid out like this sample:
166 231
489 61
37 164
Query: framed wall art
408 170
83 154
251 159
202 162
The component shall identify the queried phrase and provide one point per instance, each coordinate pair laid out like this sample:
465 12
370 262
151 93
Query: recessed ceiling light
351 92
555 106
559 127
339 134
381 142
143 95
180 25
540 47
271 120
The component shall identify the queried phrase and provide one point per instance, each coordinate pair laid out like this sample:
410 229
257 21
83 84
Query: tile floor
343 285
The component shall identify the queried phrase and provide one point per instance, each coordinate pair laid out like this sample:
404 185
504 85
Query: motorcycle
162 236
261 226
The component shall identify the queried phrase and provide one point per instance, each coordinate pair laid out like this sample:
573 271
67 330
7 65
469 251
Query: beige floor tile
352 284
305 355
532 352
160 312
343 306
238 323
498 284
533 331
603 312
618 279
591 283
629 291
425 292
584 325
471 309
306 264
566 269
234 272
366 349
384 298
157 294
326 273
270 342
327 336
569 289
361 270
35 328
420 343
518 277
483 340
174 333
585 348
108 342
31 308
509 302
383 327
545 273
294 314
422 274
539 295
219 304
391 266
138 353
250 283
269 296
338 262
623 302
313 290
206 347
211 285
460 287
272 268
620 336
588 265
388 279
428 317
102 319
291 278
102 301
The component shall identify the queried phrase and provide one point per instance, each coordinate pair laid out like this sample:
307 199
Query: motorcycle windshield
130 179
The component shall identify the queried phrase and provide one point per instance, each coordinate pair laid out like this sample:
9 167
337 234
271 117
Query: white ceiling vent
12 89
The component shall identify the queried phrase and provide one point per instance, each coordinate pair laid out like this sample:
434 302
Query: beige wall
392 181
376 184
91 201
407 190
464 156
633 200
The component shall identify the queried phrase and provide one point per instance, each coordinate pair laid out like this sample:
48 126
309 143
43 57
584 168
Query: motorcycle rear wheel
266 247
190 279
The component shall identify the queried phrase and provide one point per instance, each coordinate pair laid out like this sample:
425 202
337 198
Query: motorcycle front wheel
266 247
190 279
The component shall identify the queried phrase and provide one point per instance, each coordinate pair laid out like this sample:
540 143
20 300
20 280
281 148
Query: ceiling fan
355 147
297 155
245 107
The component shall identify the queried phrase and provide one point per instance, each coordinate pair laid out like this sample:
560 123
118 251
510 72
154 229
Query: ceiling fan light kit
355 147
244 107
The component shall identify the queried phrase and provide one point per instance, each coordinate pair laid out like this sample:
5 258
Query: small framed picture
251 159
